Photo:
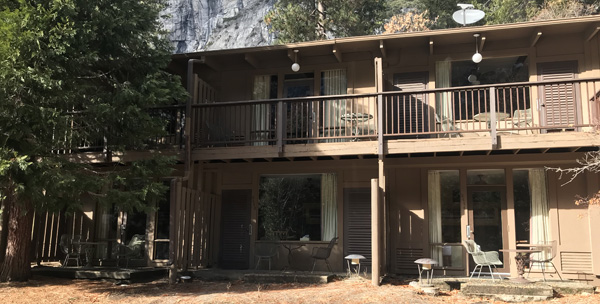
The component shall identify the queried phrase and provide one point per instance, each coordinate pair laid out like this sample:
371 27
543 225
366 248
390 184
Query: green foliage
282 205
510 11
306 20
74 72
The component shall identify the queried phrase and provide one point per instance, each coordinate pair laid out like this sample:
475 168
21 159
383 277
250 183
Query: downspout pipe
191 88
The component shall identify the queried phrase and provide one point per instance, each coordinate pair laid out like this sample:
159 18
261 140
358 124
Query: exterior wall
570 225
350 174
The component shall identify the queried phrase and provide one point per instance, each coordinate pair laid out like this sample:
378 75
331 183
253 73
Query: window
444 217
292 207
464 104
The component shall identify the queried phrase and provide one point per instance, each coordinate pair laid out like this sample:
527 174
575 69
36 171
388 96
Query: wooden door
357 224
559 102
235 229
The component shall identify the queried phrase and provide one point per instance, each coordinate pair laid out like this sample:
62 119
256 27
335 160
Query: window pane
290 207
522 205
444 217
486 177
450 198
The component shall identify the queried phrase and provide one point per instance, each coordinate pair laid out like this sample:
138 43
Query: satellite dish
467 14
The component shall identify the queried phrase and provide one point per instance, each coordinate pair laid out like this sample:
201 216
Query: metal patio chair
133 249
482 259
266 252
546 256
72 252
322 253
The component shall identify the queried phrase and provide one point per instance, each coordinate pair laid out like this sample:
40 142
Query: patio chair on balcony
446 125
546 256
322 253
482 259
71 252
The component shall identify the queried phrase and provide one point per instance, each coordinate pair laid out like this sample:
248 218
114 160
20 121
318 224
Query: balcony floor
461 145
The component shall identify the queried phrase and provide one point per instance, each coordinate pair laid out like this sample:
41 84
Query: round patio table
520 259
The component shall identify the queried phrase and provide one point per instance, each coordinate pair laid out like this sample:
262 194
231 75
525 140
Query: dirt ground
356 290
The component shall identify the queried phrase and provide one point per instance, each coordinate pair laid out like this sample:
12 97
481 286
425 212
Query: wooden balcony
480 119
532 117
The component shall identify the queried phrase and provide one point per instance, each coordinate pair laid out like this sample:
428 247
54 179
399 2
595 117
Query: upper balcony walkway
480 119
486 119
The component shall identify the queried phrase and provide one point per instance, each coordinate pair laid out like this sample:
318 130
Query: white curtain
435 214
443 103
260 117
334 83
540 233
328 206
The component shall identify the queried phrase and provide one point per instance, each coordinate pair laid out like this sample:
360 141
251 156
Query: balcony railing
484 110
513 108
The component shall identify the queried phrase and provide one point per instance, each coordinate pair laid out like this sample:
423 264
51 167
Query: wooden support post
492 121
279 127
375 246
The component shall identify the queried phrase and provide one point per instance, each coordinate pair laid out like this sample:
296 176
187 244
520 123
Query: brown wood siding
559 101
357 224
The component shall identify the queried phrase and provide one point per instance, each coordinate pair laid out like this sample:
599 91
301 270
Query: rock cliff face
198 25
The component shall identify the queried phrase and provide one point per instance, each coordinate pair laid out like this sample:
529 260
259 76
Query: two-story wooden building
281 143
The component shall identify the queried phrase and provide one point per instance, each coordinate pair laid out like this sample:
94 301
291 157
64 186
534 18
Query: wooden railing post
492 121
280 125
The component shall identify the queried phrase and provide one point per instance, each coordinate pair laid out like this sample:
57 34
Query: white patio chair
72 252
546 256
481 258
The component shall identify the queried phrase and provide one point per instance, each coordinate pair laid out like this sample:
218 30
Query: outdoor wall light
477 56
295 65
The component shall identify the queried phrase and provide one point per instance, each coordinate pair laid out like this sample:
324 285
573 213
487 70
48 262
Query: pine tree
307 20
73 71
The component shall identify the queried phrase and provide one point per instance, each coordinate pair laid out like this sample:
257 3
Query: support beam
430 47
293 56
591 32
210 62
534 38
337 53
375 246
252 61
482 44
382 49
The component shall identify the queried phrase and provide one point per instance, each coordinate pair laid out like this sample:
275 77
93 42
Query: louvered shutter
559 101
357 224
405 114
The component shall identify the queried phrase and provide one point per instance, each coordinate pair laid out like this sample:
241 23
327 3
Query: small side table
426 264
354 260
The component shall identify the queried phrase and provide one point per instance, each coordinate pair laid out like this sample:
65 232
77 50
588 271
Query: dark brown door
487 220
235 229
559 102
357 224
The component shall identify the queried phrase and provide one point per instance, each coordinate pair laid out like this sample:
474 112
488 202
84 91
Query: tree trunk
17 265
3 231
